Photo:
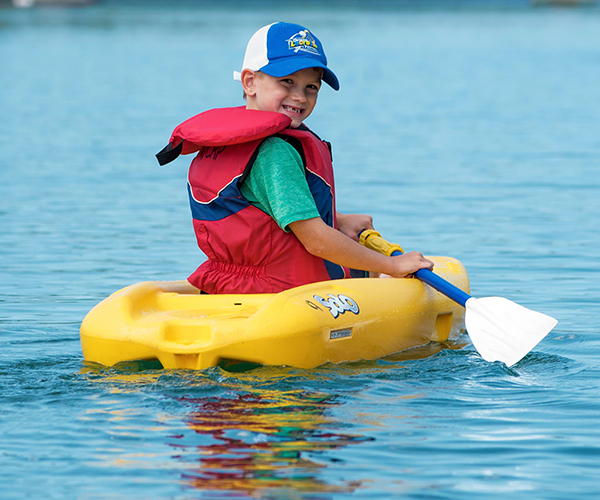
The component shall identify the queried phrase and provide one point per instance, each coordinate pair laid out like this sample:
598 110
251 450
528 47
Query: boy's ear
249 82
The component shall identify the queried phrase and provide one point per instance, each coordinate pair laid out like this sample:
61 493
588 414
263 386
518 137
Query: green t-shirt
277 184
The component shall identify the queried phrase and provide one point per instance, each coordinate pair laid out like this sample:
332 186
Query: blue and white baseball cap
281 49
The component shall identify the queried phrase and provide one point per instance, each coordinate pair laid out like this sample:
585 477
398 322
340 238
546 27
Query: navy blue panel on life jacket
321 192
335 271
228 202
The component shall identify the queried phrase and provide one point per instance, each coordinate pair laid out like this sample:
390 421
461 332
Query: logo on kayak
338 304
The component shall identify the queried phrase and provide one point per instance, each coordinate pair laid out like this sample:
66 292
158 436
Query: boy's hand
409 263
352 224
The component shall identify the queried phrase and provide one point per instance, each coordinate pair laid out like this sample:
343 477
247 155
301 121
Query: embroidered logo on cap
303 41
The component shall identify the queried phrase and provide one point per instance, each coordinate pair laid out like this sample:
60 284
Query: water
469 130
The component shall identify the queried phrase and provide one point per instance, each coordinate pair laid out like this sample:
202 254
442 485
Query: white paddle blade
502 330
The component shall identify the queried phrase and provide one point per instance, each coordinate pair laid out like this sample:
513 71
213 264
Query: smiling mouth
291 109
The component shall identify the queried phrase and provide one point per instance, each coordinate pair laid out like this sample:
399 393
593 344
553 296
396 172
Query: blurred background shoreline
349 4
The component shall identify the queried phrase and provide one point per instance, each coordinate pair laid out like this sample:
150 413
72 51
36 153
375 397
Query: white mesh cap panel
256 52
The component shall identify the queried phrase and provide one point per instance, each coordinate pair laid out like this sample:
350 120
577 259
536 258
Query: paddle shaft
372 239
440 284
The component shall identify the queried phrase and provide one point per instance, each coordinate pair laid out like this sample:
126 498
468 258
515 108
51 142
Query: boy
261 187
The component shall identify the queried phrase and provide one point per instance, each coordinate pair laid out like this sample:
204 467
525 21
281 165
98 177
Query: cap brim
287 67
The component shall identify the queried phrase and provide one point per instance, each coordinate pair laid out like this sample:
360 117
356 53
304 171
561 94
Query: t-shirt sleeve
277 184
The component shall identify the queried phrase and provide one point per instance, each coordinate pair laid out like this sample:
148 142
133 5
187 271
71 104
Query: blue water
466 129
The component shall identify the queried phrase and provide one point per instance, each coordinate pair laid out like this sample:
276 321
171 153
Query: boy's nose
299 95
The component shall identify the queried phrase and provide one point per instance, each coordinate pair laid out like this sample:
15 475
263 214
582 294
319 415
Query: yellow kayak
326 322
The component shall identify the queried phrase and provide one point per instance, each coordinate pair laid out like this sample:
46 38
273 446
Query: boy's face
294 95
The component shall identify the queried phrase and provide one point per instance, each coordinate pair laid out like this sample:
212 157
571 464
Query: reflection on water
258 433
264 440
247 433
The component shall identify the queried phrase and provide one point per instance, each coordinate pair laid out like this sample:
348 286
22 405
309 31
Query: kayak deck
332 321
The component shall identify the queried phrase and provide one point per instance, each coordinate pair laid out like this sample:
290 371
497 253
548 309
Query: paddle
500 329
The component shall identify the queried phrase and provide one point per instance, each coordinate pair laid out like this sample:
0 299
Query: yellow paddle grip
373 240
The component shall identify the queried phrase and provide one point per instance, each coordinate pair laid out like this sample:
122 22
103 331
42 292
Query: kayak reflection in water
261 441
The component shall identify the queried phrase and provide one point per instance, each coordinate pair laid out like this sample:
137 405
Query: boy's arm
325 242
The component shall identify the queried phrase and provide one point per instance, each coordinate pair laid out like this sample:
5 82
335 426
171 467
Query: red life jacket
247 251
